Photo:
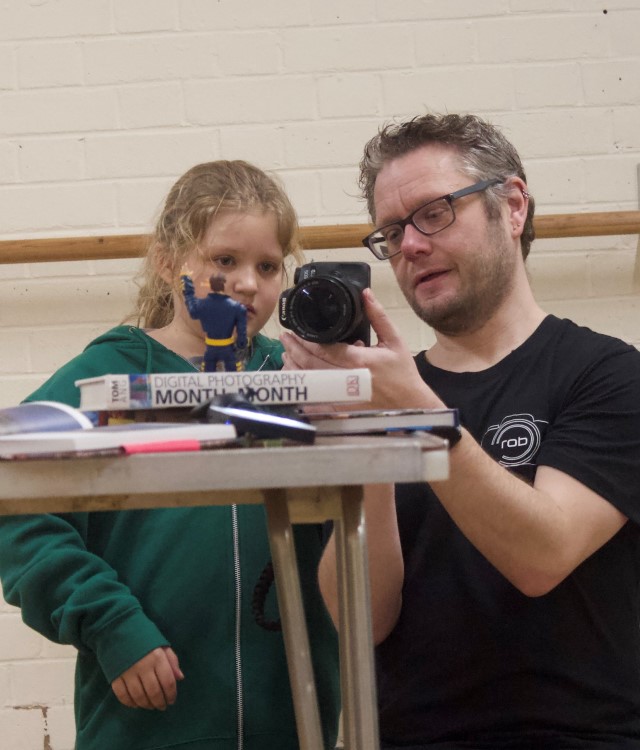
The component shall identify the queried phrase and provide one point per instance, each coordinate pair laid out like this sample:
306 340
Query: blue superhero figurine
219 315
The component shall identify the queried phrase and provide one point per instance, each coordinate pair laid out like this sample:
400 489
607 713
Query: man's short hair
483 150
217 282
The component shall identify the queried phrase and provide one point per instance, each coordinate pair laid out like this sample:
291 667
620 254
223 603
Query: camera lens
322 310
320 313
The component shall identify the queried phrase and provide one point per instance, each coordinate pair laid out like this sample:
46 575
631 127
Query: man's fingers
305 355
380 322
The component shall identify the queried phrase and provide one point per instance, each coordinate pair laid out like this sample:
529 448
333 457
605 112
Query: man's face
456 279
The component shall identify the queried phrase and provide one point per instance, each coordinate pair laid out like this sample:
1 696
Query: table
297 484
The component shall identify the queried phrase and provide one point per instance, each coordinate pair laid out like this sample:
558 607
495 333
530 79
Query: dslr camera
325 305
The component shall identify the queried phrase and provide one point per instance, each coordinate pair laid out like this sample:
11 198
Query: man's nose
414 243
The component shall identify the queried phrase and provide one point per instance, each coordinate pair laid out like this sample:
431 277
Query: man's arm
534 535
189 294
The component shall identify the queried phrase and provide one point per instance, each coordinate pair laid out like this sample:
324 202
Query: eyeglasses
429 219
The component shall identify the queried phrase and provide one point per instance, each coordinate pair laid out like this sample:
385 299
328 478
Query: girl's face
244 247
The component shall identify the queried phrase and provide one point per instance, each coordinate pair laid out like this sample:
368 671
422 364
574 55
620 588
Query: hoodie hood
128 349
132 343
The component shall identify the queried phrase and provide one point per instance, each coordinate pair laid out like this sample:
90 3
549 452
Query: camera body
325 305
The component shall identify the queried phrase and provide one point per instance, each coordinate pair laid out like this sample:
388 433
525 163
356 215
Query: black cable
259 597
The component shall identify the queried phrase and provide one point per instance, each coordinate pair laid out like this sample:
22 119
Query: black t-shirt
472 662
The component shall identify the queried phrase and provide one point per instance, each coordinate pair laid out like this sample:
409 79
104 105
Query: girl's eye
268 267
226 261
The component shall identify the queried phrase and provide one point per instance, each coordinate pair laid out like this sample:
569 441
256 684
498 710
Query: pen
162 446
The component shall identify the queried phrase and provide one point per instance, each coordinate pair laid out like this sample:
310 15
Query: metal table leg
359 702
296 638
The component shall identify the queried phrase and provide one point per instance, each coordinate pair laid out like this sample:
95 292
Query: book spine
171 390
113 390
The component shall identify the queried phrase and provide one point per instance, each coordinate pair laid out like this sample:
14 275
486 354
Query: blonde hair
189 208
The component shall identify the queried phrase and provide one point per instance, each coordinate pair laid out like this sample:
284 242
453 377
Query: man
505 600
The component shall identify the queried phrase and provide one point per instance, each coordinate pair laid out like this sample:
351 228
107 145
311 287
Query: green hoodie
116 585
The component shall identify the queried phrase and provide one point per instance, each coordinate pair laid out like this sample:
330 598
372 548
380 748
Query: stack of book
128 413
148 397
51 429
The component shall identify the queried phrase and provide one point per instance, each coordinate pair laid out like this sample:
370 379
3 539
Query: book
42 416
441 422
50 427
124 416
172 390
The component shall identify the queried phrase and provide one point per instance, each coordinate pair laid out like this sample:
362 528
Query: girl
158 603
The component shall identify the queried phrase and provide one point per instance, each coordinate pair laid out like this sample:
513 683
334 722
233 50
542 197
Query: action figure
219 315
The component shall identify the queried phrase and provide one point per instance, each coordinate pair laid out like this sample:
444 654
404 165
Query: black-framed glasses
428 219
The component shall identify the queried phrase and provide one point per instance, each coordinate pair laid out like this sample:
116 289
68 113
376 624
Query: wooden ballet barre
326 237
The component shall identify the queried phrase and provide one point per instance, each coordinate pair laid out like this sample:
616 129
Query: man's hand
396 381
151 682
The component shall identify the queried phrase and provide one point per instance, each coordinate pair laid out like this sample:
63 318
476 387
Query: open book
43 427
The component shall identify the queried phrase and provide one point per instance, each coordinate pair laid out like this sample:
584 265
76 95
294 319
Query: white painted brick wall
104 103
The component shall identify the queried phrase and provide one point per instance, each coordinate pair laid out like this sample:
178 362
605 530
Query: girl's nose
246 281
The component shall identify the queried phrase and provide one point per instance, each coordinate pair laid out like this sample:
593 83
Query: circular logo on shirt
515 441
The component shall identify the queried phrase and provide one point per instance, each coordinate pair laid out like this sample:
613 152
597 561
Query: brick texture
104 104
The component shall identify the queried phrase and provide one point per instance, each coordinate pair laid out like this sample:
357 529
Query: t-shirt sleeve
596 435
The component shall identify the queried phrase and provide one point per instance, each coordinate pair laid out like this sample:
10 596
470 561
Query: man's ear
518 205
